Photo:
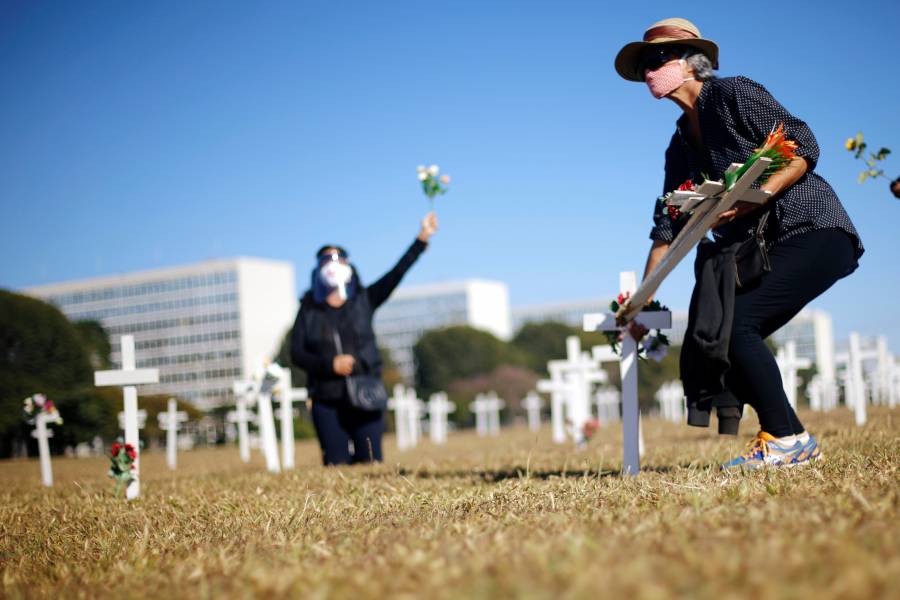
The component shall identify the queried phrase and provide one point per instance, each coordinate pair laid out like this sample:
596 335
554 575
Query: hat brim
629 57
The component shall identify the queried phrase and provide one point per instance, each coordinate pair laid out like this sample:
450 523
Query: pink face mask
666 79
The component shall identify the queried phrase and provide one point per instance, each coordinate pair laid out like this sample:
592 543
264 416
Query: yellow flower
850 144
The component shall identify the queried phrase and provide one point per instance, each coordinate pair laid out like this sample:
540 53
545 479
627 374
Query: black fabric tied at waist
704 353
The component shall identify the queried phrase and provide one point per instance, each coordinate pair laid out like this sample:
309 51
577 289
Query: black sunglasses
654 58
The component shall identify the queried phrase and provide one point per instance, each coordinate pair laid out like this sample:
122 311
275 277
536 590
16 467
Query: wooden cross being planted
704 205
128 377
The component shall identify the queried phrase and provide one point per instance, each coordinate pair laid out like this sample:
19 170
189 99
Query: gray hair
703 69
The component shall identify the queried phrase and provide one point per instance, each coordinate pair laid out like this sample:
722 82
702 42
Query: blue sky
139 135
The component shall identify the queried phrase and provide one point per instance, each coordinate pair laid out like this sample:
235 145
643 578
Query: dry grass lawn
511 516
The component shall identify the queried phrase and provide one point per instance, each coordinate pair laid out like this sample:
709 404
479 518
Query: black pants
803 267
337 424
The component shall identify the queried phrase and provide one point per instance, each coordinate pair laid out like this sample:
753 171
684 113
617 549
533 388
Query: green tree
540 343
40 351
96 342
459 352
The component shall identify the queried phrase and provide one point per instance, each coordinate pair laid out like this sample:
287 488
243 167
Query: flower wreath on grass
776 147
121 469
655 346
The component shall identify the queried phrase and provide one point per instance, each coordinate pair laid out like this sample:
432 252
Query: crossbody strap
351 388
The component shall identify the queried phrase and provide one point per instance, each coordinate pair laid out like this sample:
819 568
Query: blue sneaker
767 450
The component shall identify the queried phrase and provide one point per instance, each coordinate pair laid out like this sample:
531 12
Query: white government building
413 310
203 325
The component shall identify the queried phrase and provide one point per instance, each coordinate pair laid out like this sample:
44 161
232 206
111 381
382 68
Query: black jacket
312 338
704 353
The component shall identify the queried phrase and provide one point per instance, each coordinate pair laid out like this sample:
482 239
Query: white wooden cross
608 401
128 377
533 404
494 406
43 434
170 421
414 411
628 366
707 202
480 409
789 363
855 396
287 395
265 381
438 409
559 389
671 401
405 407
243 395
570 387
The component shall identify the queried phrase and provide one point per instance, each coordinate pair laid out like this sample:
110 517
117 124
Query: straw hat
679 32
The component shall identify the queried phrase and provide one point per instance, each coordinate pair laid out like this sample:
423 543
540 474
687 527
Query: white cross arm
126 377
652 319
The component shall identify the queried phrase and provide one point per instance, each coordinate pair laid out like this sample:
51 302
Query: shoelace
758 444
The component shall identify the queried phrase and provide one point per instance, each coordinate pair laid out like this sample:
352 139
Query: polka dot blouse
736 114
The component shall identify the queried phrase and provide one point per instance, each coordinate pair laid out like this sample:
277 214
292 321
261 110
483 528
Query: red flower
623 298
115 449
687 186
129 450
674 212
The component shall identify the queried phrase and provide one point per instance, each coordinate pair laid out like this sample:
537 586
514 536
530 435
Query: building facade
202 325
413 310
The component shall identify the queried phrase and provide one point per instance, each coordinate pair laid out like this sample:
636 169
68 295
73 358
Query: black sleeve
759 112
381 290
313 364
677 172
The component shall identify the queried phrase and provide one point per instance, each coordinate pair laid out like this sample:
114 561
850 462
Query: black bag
366 392
751 259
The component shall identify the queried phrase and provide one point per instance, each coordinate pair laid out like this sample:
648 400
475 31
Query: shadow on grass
521 472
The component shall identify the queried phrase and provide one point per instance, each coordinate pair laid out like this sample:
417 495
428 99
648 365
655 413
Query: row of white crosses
707 202
882 386
486 408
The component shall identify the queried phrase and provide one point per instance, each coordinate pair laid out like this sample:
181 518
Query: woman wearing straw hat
811 241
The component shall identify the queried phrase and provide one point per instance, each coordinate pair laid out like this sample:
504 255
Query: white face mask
336 274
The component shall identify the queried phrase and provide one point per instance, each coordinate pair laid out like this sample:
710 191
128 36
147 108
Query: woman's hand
343 364
429 227
740 209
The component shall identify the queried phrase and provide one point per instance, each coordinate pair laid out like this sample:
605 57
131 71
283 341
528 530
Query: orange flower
777 146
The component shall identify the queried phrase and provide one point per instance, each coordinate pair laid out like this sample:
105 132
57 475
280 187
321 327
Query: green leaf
863 176
882 154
